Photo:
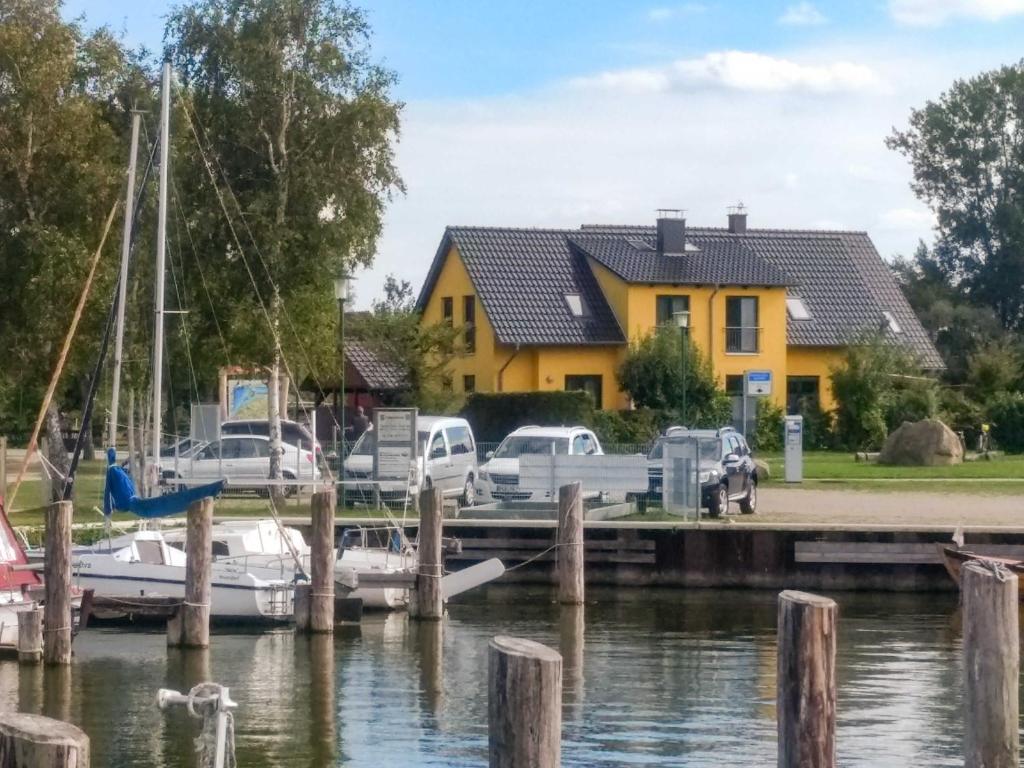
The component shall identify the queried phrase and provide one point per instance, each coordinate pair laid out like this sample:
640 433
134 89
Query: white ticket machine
793 446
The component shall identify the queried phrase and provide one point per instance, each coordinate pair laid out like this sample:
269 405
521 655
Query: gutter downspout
501 371
711 325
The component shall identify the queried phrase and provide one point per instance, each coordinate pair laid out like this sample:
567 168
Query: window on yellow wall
667 306
469 384
469 319
802 393
447 309
585 383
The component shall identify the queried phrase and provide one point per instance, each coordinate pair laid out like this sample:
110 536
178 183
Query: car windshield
514 447
709 448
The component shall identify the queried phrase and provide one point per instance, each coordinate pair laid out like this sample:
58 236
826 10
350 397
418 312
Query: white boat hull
236 595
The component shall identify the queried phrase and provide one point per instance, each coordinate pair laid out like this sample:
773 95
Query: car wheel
720 502
468 498
748 505
289 490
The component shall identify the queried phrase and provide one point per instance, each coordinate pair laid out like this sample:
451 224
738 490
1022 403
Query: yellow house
547 309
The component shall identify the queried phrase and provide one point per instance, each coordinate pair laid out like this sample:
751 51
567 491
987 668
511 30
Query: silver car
447 461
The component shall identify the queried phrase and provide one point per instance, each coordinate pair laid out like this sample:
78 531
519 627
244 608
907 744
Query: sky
555 114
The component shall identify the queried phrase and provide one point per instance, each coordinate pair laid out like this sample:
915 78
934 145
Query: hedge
494 415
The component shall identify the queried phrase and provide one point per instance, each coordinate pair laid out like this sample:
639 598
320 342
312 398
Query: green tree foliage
652 376
495 414
1006 414
957 326
299 125
768 427
966 150
993 368
424 352
64 101
878 386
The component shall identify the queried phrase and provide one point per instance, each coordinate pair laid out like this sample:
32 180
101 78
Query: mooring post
193 616
569 541
57 570
30 635
321 565
991 666
426 602
806 692
32 741
524 704
302 602
322 704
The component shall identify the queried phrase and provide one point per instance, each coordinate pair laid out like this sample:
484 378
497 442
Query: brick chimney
737 219
671 230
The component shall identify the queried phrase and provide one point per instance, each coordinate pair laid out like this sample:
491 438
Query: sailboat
143 564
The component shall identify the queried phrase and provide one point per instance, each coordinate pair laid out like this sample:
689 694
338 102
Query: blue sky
533 113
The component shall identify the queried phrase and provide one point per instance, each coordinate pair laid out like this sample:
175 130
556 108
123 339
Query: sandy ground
856 507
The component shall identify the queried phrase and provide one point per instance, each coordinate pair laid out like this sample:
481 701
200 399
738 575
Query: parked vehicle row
447 451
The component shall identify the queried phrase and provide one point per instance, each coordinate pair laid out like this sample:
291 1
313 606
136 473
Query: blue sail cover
119 494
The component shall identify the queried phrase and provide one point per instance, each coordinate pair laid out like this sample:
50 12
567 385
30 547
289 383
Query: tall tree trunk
274 417
88 448
57 454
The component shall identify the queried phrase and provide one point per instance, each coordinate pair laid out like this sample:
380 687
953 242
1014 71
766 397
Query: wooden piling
32 741
302 600
193 617
991 666
806 693
57 568
426 601
569 554
524 704
30 636
321 564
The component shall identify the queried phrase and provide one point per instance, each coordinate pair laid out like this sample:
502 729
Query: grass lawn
829 466
29 510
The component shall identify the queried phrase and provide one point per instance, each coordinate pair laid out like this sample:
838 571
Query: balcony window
667 306
742 333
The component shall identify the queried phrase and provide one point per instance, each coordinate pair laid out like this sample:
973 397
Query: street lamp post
342 284
683 322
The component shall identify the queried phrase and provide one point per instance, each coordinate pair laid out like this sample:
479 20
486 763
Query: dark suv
726 473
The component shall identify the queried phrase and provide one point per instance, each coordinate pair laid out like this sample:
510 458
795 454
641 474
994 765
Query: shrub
1006 414
864 387
640 426
961 414
767 434
494 415
652 376
912 400
819 430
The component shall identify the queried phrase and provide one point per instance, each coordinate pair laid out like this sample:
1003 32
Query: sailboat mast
122 287
158 301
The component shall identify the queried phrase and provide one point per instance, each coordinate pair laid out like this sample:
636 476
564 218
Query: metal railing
743 339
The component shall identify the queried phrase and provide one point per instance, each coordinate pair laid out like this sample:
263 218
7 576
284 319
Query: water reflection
650 678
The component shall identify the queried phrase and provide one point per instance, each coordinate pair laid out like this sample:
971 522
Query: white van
447 461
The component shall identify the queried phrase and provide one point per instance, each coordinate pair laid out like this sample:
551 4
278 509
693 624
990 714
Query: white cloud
931 13
559 157
802 14
736 70
906 220
670 12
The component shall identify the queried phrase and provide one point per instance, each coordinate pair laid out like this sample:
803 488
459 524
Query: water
657 677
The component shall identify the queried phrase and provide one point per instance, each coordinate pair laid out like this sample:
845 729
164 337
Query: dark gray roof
379 375
522 277
712 261
839 275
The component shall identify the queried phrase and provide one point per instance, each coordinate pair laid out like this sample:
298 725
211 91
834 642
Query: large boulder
927 443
